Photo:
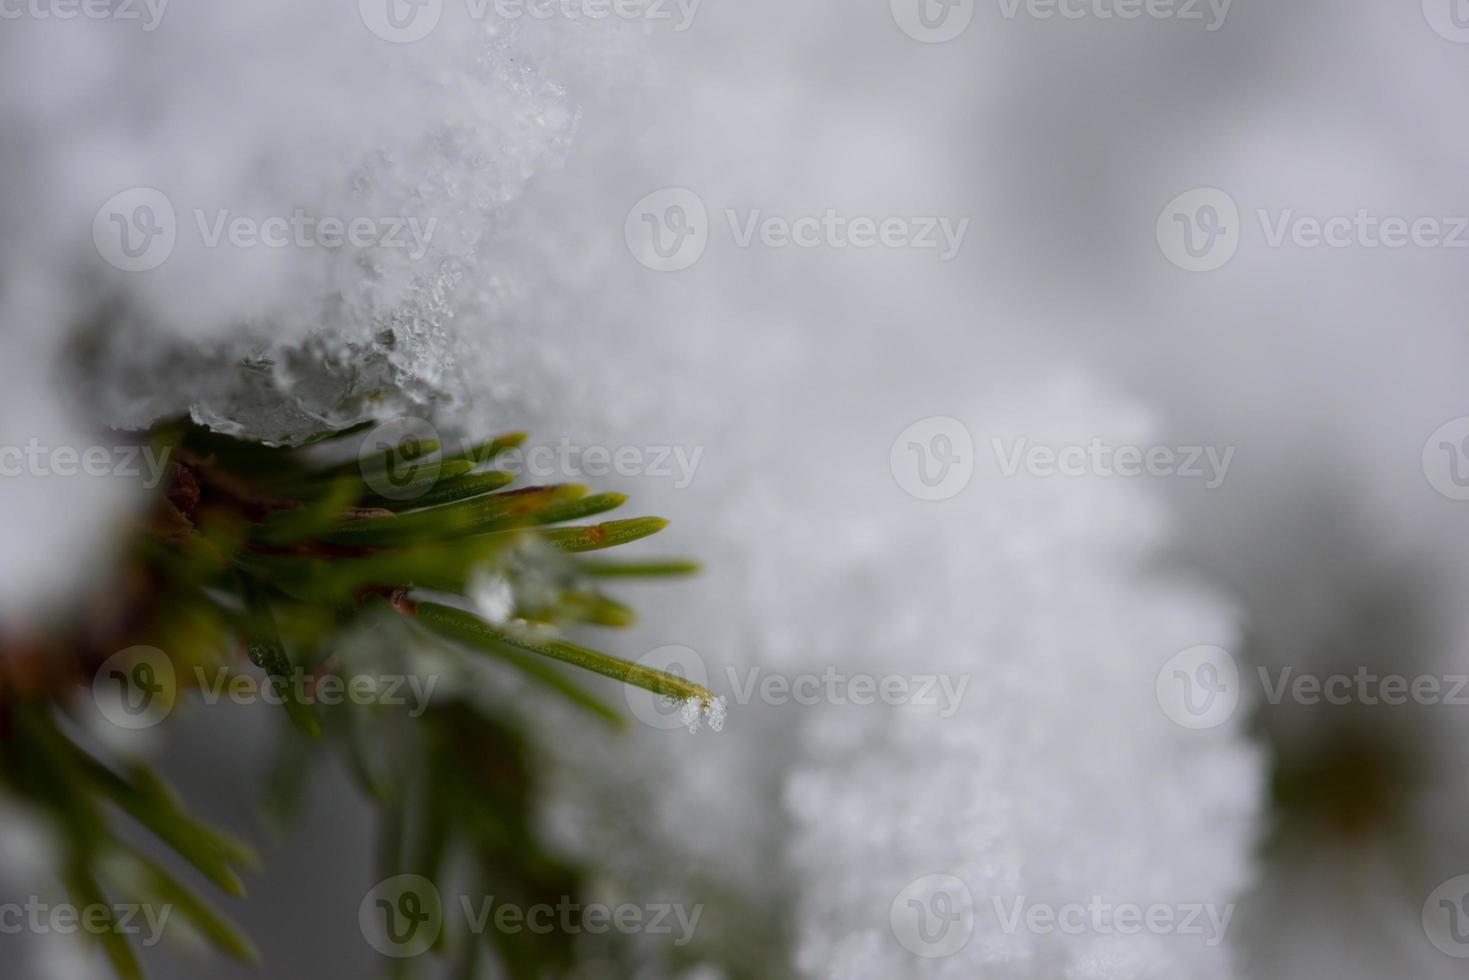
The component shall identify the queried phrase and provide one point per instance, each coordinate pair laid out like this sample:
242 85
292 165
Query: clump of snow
1053 778
255 113
717 710
277 116
1056 778
493 596
691 711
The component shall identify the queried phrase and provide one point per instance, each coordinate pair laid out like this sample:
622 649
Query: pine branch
282 553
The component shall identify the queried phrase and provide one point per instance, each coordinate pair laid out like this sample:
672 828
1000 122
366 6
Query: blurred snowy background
1131 258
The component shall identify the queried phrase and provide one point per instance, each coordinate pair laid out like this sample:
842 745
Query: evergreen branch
282 552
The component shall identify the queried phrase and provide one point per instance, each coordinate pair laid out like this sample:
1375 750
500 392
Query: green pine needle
470 629
281 553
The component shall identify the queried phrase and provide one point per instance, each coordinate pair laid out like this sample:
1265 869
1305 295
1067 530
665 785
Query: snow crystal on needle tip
717 711
692 710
